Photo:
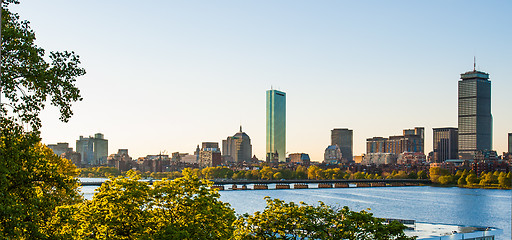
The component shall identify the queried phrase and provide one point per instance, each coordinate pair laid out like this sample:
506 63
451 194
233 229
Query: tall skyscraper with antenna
474 116
276 126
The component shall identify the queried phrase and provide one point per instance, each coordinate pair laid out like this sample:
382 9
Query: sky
164 76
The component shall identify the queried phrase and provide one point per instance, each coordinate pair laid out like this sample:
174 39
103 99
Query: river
450 205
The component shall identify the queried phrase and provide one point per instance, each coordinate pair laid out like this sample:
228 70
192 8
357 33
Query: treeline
262 172
470 179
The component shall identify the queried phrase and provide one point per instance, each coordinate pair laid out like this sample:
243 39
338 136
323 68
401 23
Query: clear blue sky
168 75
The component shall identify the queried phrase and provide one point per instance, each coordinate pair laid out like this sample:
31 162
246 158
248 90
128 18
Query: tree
33 183
314 172
27 79
267 173
446 179
504 180
462 180
278 175
301 172
436 173
471 179
281 220
422 175
125 208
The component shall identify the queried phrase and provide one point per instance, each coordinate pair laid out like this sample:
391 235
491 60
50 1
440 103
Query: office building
379 158
276 126
121 160
474 115
343 137
238 147
60 148
445 144
376 145
154 163
93 150
210 155
412 140
510 142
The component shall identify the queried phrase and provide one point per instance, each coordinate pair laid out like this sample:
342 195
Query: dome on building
241 134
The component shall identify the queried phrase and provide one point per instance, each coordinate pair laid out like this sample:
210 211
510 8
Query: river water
451 205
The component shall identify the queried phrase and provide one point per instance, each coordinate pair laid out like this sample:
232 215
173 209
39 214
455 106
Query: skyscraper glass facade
475 119
510 142
276 126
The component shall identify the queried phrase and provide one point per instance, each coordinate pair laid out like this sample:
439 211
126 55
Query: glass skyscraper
475 119
276 126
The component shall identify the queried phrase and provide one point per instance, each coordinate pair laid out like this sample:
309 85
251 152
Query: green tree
125 208
278 175
422 175
412 175
28 81
314 172
504 181
462 180
267 173
33 183
446 179
471 179
358 175
301 172
436 173
281 220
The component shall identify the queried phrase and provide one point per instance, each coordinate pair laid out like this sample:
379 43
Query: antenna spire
474 63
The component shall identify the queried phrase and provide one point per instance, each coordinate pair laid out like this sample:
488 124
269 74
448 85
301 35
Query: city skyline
378 75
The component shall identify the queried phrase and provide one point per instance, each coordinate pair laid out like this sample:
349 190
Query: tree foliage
28 80
126 208
282 220
33 183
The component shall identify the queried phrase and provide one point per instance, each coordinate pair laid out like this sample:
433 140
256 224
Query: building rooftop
474 74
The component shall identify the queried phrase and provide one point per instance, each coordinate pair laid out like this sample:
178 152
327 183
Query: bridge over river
301 184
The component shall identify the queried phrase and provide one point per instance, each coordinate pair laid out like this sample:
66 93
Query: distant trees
469 178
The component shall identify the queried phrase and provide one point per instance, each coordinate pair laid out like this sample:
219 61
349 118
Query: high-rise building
445 144
93 150
376 145
276 126
510 142
238 147
121 160
343 137
210 155
475 119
